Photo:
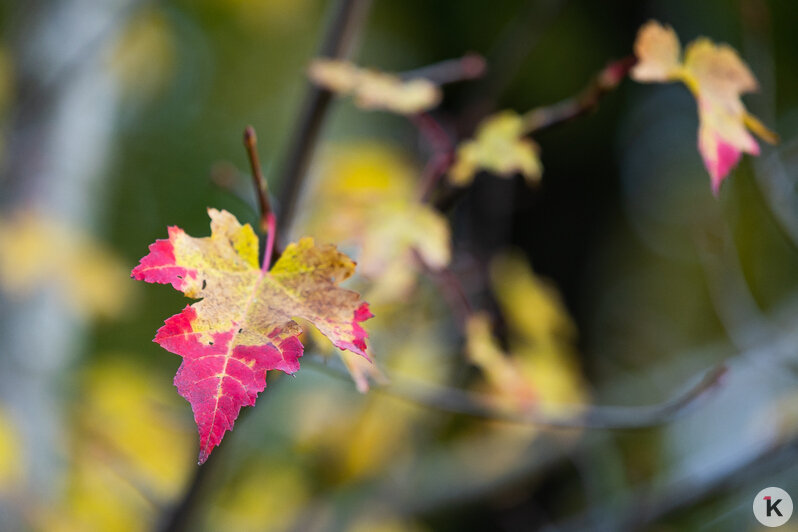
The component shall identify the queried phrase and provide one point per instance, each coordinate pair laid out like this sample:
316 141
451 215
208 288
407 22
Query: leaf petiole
271 228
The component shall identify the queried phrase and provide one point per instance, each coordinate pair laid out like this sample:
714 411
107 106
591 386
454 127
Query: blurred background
618 280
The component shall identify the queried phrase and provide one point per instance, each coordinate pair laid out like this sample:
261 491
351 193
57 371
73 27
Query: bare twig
470 66
344 25
590 417
536 120
261 187
586 101
442 153
453 292
268 221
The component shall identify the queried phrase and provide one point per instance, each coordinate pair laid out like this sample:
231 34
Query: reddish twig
261 187
586 101
268 222
442 153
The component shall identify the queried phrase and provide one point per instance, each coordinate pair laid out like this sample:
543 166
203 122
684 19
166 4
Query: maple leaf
244 326
499 147
373 89
717 77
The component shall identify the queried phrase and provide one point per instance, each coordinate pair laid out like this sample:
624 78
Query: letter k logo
772 506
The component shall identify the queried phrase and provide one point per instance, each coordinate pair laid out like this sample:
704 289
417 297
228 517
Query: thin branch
452 289
458 401
347 18
586 101
470 66
592 417
543 118
268 222
261 186
442 153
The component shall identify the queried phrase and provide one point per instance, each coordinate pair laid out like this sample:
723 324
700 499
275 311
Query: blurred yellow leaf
540 370
143 58
373 89
504 373
498 147
357 440
365 196
265 496
10 455
383 520
142 423
97 498
130 452
37 250
532 307
717 77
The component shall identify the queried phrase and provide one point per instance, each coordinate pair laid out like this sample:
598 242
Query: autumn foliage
469 274
243 326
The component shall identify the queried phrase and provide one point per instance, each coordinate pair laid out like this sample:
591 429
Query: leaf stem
271 222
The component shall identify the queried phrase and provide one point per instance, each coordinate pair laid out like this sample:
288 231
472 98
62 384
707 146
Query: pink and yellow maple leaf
717 77
243 326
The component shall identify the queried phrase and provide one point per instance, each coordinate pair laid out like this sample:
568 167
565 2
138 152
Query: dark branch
344 25
457 401
586 101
